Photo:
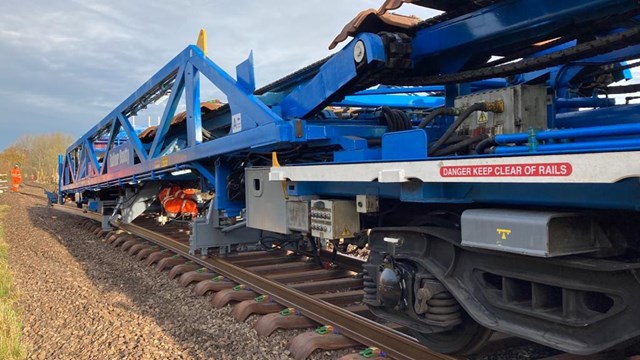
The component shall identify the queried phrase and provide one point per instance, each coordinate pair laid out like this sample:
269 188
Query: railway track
295 285
290 291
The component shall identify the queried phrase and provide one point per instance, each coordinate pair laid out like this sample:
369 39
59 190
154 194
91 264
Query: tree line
37 156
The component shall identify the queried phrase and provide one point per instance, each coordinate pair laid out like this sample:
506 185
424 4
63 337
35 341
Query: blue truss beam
194 116
169 112
168 72
115 127
132 137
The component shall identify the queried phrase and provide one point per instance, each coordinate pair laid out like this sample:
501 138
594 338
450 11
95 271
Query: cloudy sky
65 64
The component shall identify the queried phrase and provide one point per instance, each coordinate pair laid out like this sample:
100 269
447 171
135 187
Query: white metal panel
571 168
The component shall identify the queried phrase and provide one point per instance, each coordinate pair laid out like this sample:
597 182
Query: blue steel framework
256 125
287 119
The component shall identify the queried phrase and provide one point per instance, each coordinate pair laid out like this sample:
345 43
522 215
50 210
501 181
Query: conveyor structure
480 155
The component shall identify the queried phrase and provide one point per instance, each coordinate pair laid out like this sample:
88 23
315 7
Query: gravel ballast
82 299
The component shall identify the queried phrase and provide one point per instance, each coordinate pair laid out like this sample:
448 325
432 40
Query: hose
435 113
460 145
485 144
495 106
456 139
397 120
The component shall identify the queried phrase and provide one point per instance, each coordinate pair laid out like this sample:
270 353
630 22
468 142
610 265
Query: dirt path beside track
82 299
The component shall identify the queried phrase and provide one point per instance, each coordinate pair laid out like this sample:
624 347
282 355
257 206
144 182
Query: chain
587 49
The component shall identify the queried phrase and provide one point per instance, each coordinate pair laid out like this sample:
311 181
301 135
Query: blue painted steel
624 194
246 75
496 28
401 90
205 173
115 127
333 76
132 137
475 85
253 112
357 155
405 145
588 132
619 114
82 163
194 116
61 179
119 157
92 166
396 101
169 112
584 102
227 207
285 118
165 74
590 146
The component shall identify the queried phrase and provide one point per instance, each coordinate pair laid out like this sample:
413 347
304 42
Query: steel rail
77 211
365 331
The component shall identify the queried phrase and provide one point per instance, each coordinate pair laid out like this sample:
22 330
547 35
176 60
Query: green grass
10 326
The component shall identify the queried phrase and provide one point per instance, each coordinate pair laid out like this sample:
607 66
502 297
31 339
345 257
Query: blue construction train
480 155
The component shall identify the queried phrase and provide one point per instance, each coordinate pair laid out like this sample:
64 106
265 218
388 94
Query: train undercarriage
451 295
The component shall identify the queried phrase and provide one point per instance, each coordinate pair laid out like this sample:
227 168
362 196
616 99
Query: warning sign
346 232
483 118
508 170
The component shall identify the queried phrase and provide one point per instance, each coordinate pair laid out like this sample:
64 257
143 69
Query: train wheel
464 339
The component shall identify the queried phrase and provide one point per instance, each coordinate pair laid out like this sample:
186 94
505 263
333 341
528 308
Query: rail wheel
466 338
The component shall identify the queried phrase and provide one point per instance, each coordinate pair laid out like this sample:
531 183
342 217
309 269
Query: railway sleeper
113 237
178 270
303 345
213 284
135 249
225 296
246 308
197 276
144 253
157 256
121 240
130 243
170 262
269 323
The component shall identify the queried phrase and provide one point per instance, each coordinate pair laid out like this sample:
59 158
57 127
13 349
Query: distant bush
37 156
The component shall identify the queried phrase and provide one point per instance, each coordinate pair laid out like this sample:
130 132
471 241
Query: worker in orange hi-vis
16 178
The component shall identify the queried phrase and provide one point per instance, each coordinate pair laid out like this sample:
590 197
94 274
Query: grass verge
10 326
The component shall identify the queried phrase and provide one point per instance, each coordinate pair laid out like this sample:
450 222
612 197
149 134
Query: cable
460 145
454 139
485 144
623 89
435 113
396 120
495 106
390 119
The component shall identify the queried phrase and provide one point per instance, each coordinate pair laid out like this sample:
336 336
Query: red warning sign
508 170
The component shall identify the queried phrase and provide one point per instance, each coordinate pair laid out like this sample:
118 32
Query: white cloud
66 64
